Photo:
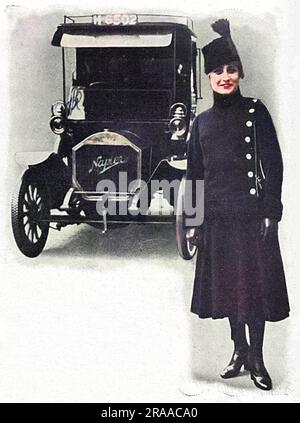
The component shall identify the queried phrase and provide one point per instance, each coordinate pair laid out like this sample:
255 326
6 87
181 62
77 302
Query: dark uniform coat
234 148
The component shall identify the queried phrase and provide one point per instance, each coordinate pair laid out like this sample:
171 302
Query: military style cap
222 50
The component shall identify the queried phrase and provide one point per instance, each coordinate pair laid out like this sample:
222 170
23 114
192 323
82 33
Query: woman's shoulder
254 102
203 115
260 111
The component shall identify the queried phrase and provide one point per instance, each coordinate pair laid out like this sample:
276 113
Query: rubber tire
185 249
27 247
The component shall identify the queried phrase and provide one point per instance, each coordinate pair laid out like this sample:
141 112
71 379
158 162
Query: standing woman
239 272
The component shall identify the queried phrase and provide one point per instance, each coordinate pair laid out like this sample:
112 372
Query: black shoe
238 359
260 375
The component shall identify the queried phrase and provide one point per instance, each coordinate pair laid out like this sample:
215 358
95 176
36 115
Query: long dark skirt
238 274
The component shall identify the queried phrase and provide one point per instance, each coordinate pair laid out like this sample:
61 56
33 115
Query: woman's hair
235 63
238 64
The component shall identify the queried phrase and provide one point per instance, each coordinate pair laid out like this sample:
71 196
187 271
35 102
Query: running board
144 219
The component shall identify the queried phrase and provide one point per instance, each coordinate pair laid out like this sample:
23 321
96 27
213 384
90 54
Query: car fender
178 162
54 173
30 158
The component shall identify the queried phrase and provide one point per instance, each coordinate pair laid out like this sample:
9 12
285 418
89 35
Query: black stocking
256 332
238 335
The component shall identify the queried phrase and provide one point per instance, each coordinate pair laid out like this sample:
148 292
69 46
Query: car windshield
125 67
136 73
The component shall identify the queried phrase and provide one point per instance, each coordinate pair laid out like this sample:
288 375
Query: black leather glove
268 227
192 235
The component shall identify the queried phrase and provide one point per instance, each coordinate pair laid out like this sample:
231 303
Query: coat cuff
272 208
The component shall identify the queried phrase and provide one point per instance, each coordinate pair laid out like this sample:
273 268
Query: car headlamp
177 124
177 127
58 108
178 109
57 125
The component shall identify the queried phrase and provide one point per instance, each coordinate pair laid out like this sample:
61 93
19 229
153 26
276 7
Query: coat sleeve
271 160
195 169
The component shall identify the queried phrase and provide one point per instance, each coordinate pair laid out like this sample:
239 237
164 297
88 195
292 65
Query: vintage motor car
130 90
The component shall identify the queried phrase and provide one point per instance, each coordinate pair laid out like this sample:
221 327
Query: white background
107 319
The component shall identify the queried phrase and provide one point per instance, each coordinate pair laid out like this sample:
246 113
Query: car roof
85 25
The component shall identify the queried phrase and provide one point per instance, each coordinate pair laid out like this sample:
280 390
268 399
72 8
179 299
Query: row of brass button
249 124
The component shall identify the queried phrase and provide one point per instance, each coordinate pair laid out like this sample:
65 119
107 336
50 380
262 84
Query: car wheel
29 206
184 247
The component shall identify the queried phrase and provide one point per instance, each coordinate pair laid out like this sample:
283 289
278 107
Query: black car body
129 98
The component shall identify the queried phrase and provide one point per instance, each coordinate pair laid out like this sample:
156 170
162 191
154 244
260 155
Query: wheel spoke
39 231
40 206
35 192
27 198
35 233
29 233
32 235
26 230
30 193
24 211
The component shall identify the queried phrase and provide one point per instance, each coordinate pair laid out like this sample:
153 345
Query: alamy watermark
133 198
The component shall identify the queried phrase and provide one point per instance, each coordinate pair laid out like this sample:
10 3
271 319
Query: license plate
115 19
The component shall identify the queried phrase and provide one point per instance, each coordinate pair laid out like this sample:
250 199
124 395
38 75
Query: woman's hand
192 236
268 227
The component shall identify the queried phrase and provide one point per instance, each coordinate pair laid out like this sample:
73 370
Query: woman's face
225 79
